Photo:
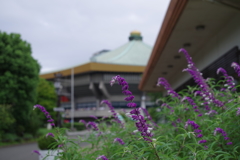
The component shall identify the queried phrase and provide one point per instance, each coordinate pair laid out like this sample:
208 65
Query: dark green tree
19 75
47 97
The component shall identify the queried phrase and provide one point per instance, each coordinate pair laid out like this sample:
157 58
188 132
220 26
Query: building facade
91 80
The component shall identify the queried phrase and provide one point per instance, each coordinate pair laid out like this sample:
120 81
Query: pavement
24 151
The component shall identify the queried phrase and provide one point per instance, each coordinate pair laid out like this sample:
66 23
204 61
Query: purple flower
119 141
162 81
130 98
92 116
202 141
238 111
60 145
35 151
236 67
226 138
127 92
230 81
42 109
132 105
192 123
197 131
205 91
113 111
102 157
94 125
229 143
199 135
50 134
200 115
134 114
220 130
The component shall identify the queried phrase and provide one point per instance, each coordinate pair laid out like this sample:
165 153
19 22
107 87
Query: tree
47 97
19 74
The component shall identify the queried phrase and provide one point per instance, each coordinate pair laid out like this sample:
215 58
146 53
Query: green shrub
44 143
10 137
78 126
27 136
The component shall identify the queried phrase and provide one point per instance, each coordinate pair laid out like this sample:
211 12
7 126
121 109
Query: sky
66 33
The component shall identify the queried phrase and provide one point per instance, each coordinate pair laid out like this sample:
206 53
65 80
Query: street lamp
58 89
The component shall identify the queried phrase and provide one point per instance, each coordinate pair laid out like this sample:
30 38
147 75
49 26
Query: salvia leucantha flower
205 91
119 140
93 124
42 109
102 157
112 111
50 134
236 67
148 116
229 79
238 111
224 134
191 102
141 124
162 81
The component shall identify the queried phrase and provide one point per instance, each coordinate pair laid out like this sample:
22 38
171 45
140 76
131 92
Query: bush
10 137
77 126
46 143
27 136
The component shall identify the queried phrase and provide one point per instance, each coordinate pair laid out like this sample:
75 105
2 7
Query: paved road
24 152
19 152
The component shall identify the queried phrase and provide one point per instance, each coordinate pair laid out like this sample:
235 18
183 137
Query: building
91 80
209 30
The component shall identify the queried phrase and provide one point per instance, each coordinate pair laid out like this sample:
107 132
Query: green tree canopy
19 74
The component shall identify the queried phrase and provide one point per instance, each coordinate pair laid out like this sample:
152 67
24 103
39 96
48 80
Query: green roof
135 52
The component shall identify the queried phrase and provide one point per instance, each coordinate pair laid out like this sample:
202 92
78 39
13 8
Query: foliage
44 143
47 97
78 126
18 79
200 123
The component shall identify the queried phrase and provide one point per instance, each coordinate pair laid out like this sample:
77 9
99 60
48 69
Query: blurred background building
91 80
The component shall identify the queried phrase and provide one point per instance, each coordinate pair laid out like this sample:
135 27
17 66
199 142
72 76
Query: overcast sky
65 33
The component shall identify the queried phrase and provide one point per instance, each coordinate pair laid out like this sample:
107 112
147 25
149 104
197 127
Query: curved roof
135 52
131 57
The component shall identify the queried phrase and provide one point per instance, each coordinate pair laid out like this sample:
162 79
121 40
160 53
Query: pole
72 98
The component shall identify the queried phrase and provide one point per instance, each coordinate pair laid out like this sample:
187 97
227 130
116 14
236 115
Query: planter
52 154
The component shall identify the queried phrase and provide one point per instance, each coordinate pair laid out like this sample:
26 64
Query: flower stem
155 151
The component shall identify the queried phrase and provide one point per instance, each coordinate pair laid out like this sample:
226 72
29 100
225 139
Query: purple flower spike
202 141
37 152
94 125
50 134
113 111
102 157
189 59
199 136
130 98
229 143
238 111
236 67
119 141
132 105
92 116
220 130
230 81
162 81
42 109
60 145
205 91
134 114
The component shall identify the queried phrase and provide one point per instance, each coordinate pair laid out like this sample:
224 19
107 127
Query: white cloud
65 33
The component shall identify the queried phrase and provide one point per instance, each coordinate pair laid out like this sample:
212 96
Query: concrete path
19 152
24 151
